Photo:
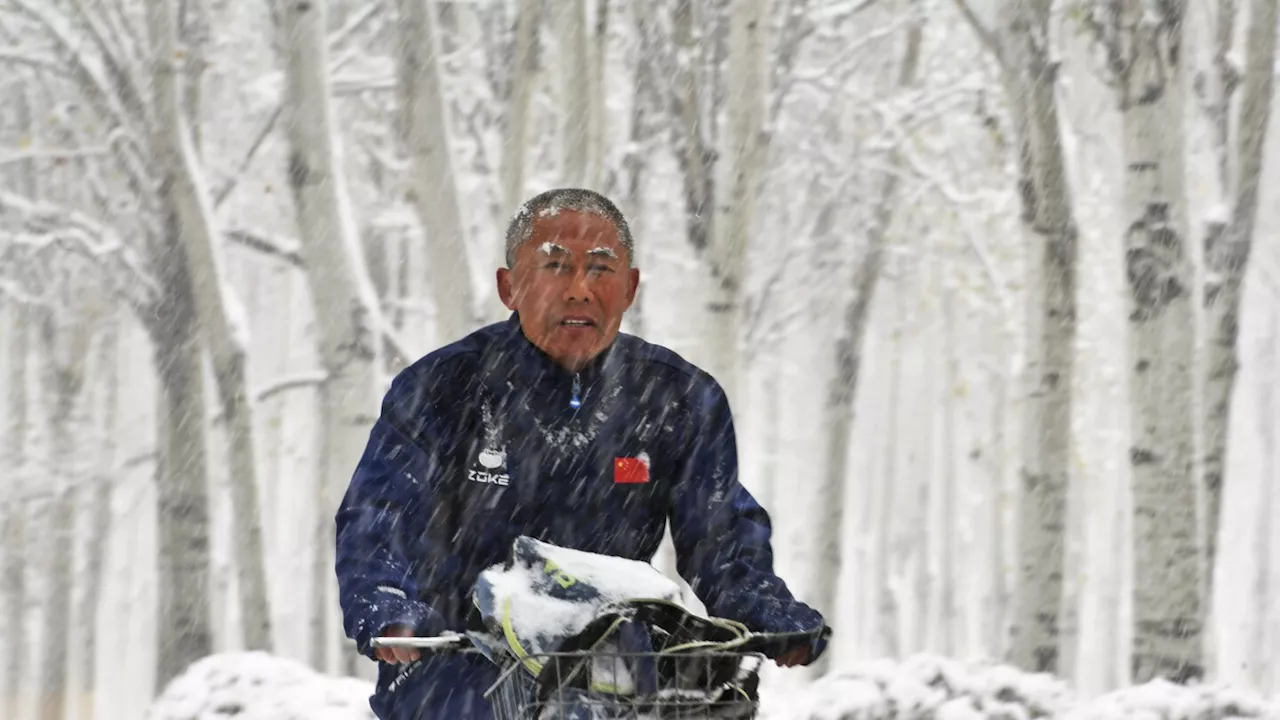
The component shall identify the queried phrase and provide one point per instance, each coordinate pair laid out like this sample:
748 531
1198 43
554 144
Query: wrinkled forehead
571 232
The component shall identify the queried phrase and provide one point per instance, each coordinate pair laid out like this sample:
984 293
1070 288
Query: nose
579 289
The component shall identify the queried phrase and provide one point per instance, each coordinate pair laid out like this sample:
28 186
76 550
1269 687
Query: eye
600 268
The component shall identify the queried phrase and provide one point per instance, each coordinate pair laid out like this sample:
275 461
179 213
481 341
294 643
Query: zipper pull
575 402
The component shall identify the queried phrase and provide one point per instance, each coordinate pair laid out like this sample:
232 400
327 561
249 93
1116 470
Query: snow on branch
88 73
52 224
20 56
8 157
291 382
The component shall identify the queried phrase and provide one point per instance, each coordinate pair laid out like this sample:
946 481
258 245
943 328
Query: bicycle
694 683
582 636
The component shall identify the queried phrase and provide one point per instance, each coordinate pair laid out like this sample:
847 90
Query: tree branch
985 36
291 382
87 237
283 248
21 154
17 56
230 185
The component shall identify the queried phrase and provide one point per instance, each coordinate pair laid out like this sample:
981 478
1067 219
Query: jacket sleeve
379 522
722 535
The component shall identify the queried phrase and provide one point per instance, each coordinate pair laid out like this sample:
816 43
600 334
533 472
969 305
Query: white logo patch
492 459
492 470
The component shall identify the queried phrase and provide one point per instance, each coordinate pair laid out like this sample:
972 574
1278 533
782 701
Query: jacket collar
514 359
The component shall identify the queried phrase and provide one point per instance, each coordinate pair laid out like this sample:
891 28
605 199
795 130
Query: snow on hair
551 202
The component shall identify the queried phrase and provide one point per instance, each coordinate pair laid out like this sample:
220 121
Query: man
554 425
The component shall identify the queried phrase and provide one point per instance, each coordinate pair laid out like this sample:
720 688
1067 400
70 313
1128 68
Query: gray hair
520 229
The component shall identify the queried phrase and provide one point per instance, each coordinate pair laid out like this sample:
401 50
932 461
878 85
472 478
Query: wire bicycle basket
577 636
609 684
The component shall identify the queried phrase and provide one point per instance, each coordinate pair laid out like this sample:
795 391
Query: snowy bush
1161 700
258 686
925 687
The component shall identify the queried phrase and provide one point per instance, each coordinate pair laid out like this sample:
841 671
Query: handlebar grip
442 642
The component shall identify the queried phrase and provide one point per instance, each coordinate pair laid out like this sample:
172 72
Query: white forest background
876 168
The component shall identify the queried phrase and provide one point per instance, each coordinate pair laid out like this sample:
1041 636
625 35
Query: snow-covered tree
348 320
1240 147
838 408
1020 45
183 496
425 132
1142 46
13 513
219 314
515 127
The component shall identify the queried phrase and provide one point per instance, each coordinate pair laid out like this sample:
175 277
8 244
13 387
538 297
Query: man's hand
398 655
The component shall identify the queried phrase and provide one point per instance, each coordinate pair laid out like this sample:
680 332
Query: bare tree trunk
1264 643
1168 602
97 506
424 130
887 609
923 528
194 29
1226 257
691 138
220 319
13 533
635 162
997 610
63 383
1051 317
949 615
346 310
598 112
516 118
575 76
740 177
183 577
838 411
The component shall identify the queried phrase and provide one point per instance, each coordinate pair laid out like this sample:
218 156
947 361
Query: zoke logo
490 460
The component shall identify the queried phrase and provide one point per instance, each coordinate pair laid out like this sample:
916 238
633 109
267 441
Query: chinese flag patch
627 470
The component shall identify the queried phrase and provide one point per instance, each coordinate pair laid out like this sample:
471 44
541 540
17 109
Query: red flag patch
630 470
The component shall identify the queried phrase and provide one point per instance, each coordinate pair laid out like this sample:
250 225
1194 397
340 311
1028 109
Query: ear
633 276
506 291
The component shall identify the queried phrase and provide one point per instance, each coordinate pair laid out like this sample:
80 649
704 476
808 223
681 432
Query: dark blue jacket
487 439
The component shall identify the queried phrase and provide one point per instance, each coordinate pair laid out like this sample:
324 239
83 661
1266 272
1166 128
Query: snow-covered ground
256 686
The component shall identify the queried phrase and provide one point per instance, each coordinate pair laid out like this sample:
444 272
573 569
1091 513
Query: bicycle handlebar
442 642
461 643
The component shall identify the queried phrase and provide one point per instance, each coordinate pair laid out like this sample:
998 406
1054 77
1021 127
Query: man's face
571 284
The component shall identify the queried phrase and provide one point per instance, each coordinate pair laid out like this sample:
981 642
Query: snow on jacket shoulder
487 439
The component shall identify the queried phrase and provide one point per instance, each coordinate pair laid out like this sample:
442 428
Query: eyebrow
551 248
603 251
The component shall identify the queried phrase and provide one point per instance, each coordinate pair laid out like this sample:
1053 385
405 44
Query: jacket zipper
575 402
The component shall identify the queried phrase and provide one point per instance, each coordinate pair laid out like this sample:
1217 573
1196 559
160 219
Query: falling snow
984 378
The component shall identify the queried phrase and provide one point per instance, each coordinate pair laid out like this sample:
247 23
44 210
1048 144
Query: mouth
578 322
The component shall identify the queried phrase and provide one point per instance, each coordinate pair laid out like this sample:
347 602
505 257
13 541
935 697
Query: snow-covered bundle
547 593
259 686
601 636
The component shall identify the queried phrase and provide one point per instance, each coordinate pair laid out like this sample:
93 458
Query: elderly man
554 425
